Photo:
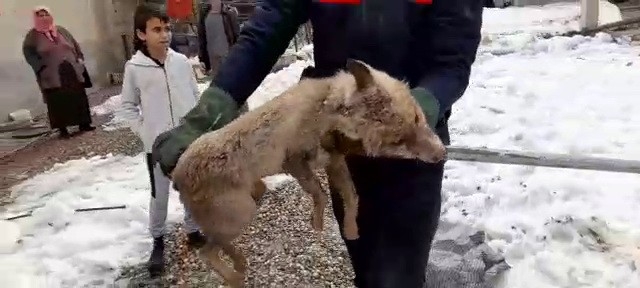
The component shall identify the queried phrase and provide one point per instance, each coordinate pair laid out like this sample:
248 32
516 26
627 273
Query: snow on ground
109 106
508 30
61 248
557 228
551 18
276 83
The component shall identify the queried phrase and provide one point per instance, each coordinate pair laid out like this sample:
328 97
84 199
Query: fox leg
340 179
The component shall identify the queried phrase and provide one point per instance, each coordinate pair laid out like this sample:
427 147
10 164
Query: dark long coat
61 75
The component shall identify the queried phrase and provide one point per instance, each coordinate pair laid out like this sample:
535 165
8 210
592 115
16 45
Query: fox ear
361 72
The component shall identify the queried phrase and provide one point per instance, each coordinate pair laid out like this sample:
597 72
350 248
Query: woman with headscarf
58 62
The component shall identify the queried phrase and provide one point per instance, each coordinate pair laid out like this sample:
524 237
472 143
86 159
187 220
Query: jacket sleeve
455 26
130 109
31 53
263 38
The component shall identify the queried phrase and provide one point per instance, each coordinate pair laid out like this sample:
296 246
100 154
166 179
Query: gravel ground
281 247
46 152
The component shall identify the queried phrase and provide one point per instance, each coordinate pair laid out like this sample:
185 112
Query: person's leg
56 110
64 133
84 113
189 225
157 215
195 239
399 208
217 43
75 102
159 199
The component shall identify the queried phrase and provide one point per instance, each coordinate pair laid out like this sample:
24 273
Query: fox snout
434 156
430 148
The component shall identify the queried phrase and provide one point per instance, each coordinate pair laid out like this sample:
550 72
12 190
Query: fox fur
312 125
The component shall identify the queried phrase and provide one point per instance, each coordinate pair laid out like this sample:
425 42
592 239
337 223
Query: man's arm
456 35
263 38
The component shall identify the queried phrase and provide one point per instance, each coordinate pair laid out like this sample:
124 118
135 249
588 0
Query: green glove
215 109
429 104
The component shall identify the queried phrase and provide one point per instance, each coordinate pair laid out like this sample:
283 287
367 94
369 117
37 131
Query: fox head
377 114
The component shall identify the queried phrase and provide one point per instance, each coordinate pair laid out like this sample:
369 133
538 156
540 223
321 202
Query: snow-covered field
557 228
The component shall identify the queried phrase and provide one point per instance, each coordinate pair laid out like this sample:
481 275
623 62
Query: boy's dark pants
398 213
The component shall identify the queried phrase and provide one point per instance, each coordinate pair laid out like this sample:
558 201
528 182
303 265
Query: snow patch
109 106
10 237
276 83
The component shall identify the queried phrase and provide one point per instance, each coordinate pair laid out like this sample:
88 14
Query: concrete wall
96 25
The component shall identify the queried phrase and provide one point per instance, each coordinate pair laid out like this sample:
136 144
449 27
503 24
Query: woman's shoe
86 128
64 133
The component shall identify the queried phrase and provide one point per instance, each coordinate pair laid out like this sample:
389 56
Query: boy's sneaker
156 261
196 239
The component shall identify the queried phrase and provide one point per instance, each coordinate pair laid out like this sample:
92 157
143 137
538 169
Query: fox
312 125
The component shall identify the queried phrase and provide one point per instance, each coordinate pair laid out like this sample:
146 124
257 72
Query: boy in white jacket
158 89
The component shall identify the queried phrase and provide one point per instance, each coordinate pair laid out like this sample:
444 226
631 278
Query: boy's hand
429 104
215 109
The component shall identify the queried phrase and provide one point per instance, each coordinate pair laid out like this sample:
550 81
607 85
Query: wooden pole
589 14
619 25
542 159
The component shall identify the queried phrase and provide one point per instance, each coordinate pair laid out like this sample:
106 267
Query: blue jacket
432 46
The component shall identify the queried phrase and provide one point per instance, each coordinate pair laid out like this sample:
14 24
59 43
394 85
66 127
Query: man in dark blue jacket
431 46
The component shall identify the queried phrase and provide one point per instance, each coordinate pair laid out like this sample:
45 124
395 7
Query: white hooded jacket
155 98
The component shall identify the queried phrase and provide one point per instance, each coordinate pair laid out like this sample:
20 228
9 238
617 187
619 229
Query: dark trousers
67 105
398 213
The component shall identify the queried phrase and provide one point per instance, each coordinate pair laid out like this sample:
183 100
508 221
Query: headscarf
44 25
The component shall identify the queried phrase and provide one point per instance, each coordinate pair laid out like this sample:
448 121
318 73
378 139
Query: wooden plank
553 160
589 14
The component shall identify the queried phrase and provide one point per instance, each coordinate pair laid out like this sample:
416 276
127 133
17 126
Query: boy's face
157 34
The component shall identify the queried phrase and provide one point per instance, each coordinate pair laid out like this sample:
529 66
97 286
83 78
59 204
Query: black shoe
156 261
196 239
64 133
86 128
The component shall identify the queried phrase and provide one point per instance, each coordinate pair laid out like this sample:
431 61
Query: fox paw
351 232
317 222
